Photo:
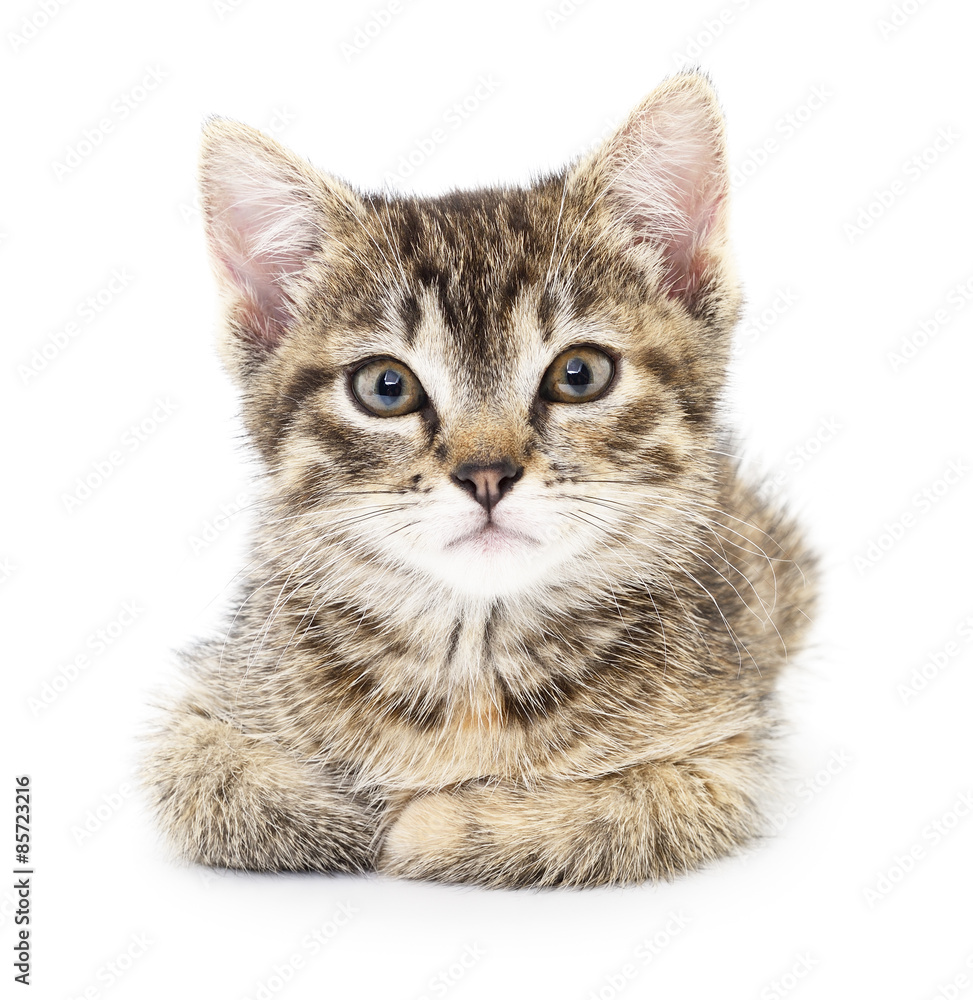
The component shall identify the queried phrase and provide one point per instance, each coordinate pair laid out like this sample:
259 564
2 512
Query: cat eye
577 375
387 388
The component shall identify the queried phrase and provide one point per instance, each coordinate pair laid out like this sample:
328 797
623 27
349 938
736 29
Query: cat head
496 391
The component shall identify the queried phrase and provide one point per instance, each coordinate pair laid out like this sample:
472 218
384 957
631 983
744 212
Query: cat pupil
578 372
389 384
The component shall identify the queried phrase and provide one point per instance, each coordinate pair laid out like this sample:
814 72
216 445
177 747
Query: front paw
652 821
429 838
494 836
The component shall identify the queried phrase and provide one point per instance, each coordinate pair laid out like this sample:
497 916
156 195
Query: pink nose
487 484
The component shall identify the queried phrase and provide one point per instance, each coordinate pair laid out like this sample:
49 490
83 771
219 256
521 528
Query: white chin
490 563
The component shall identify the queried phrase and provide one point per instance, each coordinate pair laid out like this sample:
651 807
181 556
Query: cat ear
663 175
266 215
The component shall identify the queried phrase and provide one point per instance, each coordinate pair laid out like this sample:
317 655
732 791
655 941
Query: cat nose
487 484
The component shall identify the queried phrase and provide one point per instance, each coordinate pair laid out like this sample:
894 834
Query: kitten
512 617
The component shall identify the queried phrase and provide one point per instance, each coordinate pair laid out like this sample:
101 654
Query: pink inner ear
686 253
669 183
260 227
259 269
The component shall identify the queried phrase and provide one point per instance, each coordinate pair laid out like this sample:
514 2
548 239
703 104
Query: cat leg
650 821
238 800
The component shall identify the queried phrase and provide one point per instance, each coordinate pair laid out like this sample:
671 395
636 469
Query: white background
865 890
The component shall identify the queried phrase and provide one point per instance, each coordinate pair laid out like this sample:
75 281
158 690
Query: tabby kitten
512 617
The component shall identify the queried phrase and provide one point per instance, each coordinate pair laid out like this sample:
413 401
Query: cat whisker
667 530
682 540
666 556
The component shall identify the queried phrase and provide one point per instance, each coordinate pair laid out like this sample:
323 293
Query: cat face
500 390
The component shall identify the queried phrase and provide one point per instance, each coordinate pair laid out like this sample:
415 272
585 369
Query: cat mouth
491 538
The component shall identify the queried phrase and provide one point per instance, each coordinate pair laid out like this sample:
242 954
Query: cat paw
475 836
428 839
233 800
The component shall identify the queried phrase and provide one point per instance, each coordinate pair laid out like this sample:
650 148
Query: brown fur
592 706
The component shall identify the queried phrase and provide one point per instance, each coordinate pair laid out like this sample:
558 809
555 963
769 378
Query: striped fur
574 687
